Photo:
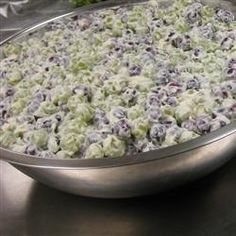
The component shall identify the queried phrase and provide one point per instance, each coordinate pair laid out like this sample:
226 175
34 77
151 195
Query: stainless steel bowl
130 176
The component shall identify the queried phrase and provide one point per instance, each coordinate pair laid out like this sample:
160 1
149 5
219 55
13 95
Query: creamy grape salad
119 81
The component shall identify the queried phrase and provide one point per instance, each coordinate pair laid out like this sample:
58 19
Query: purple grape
58 60
3 74
153 101
158 132
94 137
58 117
3 111
231 87
9 92
224 16
47 124
189 125
174 89
182 42
207 31
84 23
40 96
31 150
193 84
230 74
84 90
131 149
33 106
171 101
154 114
217 123
163 77
193 13
232 63
175 131
135 70
1 122
203 124
119 113
122 128
197 52
47 155
221 111
220 92
130 95
105 131
232 112
100 118
168 121
149 147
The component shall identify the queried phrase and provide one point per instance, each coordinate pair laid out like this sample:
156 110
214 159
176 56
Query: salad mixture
119 81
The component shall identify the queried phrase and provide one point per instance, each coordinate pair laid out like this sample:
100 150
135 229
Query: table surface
28 208
204 207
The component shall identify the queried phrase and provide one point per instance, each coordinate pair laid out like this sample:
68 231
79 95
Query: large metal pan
130 176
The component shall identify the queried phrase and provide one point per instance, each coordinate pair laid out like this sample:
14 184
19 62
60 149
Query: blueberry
119 113
193 84
122 128
31 150
135 70
158 132
203 124
224 16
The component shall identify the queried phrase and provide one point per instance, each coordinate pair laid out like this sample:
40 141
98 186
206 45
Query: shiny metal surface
134 175
206 207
